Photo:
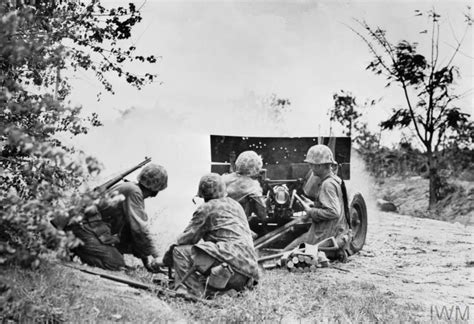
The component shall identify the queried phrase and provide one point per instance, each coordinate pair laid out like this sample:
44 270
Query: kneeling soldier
215 252
243 186
114 228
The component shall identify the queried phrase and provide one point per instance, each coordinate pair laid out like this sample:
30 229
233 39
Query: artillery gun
285 177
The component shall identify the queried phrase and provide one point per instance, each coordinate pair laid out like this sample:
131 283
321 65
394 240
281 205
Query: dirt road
423 261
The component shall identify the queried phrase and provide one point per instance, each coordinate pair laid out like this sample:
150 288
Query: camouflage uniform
116 229
219 229
247 192
244 188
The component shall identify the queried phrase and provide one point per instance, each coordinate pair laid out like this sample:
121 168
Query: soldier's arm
195 229
329 207
140 231
191 235
260 206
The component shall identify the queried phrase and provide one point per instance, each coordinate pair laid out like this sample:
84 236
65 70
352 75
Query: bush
40 177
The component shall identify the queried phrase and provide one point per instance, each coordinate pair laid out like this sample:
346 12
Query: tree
40 177
345 111
428 86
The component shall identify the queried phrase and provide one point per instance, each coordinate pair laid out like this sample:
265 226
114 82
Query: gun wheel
358 211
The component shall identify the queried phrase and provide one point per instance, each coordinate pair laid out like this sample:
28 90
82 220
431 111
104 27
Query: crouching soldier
119 226
243 186
327 214
215 252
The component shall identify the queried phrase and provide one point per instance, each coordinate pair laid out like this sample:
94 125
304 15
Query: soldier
218 233
243 186
119 226
327 214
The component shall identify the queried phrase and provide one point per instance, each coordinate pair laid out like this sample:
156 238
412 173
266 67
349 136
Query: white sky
219 57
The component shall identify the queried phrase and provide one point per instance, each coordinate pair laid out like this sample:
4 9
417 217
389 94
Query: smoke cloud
361 181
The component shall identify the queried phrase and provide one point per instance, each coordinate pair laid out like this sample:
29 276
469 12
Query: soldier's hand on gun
305 202
308 201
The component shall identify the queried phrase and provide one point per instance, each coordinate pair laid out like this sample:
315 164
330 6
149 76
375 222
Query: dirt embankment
410 195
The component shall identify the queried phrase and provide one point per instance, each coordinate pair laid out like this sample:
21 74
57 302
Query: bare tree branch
372 49
457 48
460 52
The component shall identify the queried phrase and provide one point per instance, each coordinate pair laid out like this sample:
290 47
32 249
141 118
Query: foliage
428 85
345 111
39 175
403 159
74 35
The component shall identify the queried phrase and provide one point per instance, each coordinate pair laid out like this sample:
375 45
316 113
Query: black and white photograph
236 161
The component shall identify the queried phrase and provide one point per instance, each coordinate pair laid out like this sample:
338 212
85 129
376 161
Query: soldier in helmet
119 226
215 252
243 186
327 214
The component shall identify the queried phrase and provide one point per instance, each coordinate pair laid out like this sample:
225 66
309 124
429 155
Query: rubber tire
358 208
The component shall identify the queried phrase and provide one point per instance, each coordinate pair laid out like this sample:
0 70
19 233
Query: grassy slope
55 293
411 197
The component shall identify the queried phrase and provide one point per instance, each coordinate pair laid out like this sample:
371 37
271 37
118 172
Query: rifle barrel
110 183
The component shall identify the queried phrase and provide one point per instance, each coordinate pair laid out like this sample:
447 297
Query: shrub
40 177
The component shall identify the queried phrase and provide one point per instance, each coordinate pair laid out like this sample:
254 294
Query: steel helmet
211 186
153 177
248 163
320 154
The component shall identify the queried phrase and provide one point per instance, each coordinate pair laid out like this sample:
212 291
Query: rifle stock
110 183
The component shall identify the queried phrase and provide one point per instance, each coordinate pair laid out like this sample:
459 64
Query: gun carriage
284 179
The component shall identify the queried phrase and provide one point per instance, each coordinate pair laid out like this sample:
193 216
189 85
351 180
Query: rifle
61 221
159 290
109 184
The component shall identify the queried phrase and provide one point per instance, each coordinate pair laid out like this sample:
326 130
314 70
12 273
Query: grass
289 297
55 294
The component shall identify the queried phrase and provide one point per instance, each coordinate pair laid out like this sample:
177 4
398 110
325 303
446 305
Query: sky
218 58
218 62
